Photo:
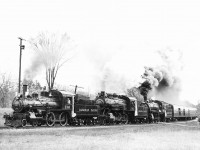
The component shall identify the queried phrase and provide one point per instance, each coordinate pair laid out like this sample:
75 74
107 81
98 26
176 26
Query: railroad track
180 123
189 123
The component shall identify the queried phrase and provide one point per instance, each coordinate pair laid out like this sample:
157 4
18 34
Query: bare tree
33 86
6 90
52 49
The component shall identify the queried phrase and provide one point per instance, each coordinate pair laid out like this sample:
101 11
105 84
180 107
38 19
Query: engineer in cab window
68 101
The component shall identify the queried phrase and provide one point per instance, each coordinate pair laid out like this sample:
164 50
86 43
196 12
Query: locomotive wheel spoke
39 123
125 119
24 122
50 119
102 122
94 121
16 125
63 119
34 123
88 121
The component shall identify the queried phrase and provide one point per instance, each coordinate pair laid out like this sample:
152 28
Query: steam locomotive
64 108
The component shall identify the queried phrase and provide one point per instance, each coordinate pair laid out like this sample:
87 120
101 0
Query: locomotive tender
66 108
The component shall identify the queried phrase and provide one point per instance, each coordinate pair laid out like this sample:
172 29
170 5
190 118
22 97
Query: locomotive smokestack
102 94
24 90
145 98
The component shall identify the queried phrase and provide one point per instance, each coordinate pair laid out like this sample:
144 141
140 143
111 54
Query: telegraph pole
20 59
76 87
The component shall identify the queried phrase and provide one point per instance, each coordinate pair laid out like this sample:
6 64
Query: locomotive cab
68 102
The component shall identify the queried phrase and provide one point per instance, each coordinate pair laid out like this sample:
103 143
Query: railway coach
184 113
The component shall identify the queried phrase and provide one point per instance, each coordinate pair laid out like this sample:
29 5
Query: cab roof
132 98
66 93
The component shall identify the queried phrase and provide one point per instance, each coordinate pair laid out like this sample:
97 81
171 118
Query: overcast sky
123 35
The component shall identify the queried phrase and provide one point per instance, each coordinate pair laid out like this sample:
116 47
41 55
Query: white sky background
128 31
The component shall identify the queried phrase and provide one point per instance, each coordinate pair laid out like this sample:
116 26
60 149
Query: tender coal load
82 99
51 99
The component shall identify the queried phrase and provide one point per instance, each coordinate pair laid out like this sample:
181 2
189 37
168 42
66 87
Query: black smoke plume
162 81
144 89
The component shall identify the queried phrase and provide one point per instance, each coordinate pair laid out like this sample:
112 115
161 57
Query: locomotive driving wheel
50 119
63 119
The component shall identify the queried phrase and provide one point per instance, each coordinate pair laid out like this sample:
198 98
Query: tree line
9 88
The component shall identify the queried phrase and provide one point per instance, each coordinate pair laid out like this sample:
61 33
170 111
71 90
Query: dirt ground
140 136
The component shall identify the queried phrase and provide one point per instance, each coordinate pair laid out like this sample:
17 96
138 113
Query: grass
153 136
